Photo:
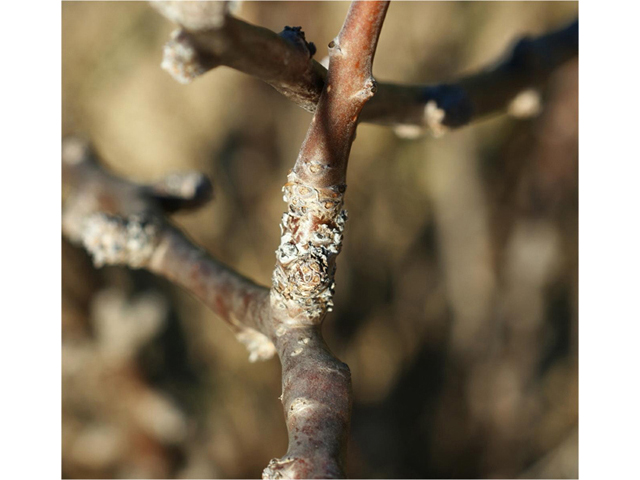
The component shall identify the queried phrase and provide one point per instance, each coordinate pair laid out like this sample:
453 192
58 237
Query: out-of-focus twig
459 102
285 61
121 222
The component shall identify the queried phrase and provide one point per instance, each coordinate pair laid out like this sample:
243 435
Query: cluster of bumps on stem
311 239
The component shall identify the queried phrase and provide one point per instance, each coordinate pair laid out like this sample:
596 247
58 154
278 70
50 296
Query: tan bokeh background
456 304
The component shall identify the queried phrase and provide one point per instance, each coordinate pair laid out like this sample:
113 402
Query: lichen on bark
312 231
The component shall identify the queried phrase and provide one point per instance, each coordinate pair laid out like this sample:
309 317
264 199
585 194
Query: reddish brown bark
316 386
285 62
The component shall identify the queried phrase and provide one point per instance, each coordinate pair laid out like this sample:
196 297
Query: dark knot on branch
295 36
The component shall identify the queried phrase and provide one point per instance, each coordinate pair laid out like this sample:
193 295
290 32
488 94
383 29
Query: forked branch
316 387
124 223
120 222
285 61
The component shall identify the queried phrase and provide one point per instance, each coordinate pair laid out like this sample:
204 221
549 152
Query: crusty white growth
116 241
77 208
184 185
281 330
259 346
526 104
433 118
180 59
280 468
311 238
195 16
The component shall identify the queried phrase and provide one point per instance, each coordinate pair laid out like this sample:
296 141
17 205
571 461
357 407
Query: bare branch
316 387
284 61
120 222
195 16
457 103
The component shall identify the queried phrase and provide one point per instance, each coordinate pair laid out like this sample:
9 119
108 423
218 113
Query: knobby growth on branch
316 386
120 222
285 62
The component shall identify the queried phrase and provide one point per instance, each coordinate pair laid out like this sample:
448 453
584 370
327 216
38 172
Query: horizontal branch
455 104
285 62
124 223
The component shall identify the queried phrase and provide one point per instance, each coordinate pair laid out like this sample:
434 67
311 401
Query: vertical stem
316 387
312 228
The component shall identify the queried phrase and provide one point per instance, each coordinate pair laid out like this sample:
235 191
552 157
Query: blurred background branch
123 223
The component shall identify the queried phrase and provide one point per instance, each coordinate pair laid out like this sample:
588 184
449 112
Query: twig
316 387
285 61
120 222
455 104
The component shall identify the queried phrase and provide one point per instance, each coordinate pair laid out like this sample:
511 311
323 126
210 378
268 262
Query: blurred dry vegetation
456 304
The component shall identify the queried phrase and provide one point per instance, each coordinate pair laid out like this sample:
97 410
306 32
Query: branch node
368 90
259 346
434 118
181 59
280 468
316 392
334 47
195 16
371 85
295 36
183 190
